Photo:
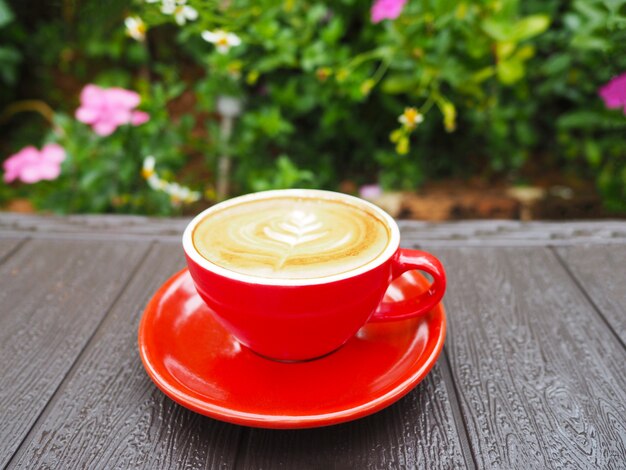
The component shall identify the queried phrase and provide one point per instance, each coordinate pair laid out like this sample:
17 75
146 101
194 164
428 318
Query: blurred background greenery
252 95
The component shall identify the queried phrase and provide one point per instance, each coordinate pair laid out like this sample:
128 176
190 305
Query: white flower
180 10
148 167
155 183
153 1
135 28
223 41
410 118
178 194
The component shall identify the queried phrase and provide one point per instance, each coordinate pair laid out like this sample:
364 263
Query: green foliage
10 56
103 174
285 175
588 52
322 90
326 87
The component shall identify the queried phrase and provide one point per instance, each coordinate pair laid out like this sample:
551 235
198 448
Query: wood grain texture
464 233
512 233
108 414
54 294
94 225
540 377
601 270
8 247
534 376
417 432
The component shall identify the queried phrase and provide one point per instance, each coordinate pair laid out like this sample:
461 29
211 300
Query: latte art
292 238
298 228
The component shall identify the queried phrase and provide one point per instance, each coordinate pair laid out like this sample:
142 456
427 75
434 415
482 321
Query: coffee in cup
294 274
291 237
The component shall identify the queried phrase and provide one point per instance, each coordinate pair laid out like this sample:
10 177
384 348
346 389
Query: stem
37 106
69 8
428 103
379 53
380 71
223 163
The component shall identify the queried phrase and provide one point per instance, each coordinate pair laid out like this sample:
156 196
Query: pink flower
137 118
30 165
370 191
386 10
614 93
107 108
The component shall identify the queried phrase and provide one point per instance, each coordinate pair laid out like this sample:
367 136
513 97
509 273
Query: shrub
397 92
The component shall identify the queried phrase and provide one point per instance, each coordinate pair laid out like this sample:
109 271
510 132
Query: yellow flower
410 118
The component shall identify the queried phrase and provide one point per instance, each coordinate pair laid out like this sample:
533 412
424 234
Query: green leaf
510 71
614 5
591 120
9 56
501 30
505 49
399 83
524 53
593 153
483 74
594 14
530 26
316 13
333 32
557 64
89 179
497 30
591 43
6 15
314 56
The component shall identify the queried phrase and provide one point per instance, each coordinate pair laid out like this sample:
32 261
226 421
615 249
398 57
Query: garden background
434 108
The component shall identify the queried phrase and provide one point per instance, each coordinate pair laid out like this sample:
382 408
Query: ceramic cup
302 319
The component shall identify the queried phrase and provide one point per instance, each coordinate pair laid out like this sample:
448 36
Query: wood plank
54 294
540 377
512 233
601 271
419 431
493 232
108 414
38 225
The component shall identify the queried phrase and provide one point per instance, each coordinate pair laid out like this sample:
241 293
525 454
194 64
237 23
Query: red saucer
198 364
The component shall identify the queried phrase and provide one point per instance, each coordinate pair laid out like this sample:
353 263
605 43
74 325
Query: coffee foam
291 237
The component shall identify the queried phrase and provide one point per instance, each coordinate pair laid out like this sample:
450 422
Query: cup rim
388 252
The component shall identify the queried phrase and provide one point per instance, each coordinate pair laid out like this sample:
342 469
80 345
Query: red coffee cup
302 319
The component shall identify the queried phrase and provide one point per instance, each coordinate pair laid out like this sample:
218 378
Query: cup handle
407 260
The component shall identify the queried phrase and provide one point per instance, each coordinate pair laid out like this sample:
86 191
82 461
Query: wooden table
533 374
